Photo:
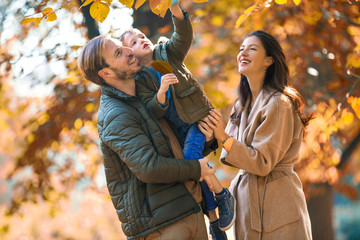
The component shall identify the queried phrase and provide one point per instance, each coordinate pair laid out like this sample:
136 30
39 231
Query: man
145 181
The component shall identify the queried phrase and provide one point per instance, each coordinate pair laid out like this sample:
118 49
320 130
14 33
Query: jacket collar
113 92
160 52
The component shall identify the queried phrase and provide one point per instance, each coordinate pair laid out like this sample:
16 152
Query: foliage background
52 181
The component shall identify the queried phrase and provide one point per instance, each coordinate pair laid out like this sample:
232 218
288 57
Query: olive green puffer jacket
190 99
144 180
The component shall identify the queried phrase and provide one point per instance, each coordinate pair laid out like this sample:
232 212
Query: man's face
121 60
142 46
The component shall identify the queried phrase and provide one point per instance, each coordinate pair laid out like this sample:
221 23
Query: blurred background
52 183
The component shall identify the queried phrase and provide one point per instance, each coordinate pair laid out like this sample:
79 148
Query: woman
263 139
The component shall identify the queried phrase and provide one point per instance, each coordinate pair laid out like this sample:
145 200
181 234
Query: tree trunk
90 23
320 207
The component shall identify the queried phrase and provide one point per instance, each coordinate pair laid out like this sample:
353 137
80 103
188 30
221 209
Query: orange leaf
139 3
162 67
160 7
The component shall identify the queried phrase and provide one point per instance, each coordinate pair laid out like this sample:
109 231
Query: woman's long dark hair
276 77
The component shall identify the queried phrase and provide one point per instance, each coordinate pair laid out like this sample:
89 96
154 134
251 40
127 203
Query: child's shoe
215 231
226 204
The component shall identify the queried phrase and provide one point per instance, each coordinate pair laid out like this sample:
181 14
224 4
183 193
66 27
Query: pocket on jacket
280 207
190 100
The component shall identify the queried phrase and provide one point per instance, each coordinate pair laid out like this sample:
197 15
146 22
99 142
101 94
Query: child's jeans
193 148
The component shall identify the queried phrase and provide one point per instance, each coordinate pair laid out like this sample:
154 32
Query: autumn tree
55 137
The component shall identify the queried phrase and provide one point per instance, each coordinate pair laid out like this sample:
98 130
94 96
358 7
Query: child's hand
166 81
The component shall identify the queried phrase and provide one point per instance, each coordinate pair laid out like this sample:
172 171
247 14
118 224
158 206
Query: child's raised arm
176 11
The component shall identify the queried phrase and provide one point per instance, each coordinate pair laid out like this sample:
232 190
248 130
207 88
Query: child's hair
129 31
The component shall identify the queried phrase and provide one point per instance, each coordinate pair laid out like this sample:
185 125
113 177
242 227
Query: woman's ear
269 60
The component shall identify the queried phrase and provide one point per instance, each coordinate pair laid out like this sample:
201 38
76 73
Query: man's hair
90 61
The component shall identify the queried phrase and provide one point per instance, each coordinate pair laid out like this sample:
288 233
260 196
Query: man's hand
205 169
166 81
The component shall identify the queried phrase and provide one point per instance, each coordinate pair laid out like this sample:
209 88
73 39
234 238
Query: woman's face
252 57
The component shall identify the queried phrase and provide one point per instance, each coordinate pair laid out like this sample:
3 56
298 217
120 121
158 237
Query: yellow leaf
55 145
217 21
30 138
78 123
200 1
87 2
245 15
51 17
3 124
127 3
47 10
37 21
99 10
354 61
355 104
33 18
43 118
297 2
280 2
49 14
313 17
89 107
347 117
160 7
139 3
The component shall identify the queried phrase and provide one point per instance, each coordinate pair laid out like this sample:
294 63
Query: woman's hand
206 130
215 122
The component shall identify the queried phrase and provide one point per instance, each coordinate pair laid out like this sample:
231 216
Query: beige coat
269 196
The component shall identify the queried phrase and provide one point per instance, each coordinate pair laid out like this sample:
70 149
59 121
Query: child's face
142 46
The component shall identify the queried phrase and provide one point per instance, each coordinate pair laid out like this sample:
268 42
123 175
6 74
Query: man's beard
125 75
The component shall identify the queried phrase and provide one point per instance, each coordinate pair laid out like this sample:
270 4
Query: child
183 104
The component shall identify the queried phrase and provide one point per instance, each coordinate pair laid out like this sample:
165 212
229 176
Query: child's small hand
166 81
